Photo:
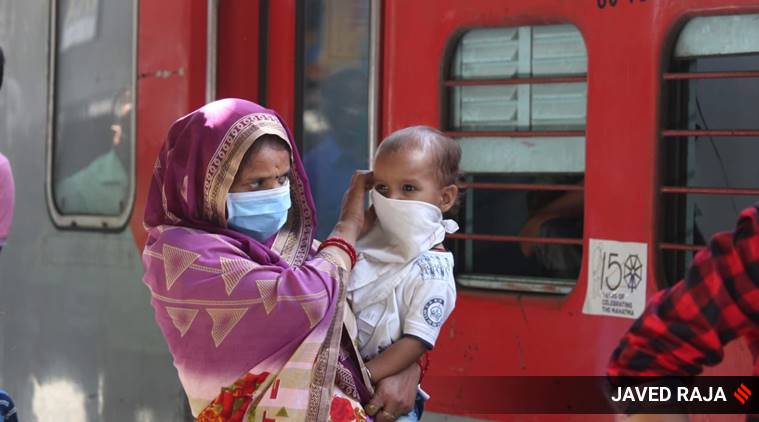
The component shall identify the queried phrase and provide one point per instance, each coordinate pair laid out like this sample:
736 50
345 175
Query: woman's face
266 168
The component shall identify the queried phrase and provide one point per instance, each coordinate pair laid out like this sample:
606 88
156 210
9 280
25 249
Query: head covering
198 163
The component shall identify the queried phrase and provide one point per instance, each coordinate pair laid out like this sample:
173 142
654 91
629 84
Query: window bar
516 134
522 186
710 191
719 132
501 238
515 81
711 75
680 247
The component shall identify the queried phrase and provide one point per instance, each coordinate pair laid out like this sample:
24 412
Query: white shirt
414 300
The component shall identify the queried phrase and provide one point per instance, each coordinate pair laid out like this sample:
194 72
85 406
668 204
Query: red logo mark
742 394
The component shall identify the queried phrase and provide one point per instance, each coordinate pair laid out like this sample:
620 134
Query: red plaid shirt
686 326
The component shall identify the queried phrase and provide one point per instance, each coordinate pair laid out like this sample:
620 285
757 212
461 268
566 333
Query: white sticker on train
616 278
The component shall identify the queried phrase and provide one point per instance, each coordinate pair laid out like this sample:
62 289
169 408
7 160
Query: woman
252 312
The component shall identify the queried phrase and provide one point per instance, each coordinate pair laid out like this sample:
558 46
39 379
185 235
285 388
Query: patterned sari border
325 367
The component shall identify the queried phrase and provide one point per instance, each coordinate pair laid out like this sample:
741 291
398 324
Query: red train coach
599 98
604 141
597 75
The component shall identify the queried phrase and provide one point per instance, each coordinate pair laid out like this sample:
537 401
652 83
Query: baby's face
408 175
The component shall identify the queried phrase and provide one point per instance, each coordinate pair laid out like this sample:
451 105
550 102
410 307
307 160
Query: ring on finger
371 407
389 415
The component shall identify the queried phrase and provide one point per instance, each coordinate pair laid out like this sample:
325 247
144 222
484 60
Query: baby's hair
446 152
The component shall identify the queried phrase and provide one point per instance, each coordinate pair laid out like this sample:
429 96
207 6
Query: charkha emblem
433 311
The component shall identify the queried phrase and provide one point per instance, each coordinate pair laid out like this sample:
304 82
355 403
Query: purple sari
255 329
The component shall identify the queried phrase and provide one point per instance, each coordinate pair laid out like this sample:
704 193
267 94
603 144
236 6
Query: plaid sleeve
686 326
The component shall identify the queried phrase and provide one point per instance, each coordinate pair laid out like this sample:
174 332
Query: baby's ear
449 194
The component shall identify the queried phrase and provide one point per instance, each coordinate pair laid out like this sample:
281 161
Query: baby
402 288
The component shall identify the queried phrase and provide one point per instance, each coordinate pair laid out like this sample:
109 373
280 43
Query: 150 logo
616 278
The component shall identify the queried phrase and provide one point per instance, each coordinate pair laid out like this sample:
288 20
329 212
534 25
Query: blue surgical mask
258 214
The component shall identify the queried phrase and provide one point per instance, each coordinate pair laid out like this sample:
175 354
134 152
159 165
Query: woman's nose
270 184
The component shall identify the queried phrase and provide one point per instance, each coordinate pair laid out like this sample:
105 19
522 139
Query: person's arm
428 299
399 356
568 205
686 327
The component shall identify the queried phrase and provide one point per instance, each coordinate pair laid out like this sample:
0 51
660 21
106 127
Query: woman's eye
282 180
380 188
409 188
255 185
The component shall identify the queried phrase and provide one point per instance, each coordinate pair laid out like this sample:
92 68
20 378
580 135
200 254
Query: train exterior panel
78 335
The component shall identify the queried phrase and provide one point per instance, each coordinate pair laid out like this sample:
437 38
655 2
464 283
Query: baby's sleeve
428 303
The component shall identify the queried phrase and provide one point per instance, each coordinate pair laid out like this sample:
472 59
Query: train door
318 79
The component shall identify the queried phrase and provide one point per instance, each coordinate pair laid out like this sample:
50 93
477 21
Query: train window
91 136
335 100
709 139
516 102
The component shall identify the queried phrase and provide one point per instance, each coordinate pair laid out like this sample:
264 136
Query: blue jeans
7 408
416 413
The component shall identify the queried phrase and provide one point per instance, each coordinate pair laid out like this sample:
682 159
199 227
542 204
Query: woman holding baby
253 309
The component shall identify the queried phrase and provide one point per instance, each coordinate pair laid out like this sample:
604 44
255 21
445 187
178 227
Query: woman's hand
394 396
370 219
352 212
